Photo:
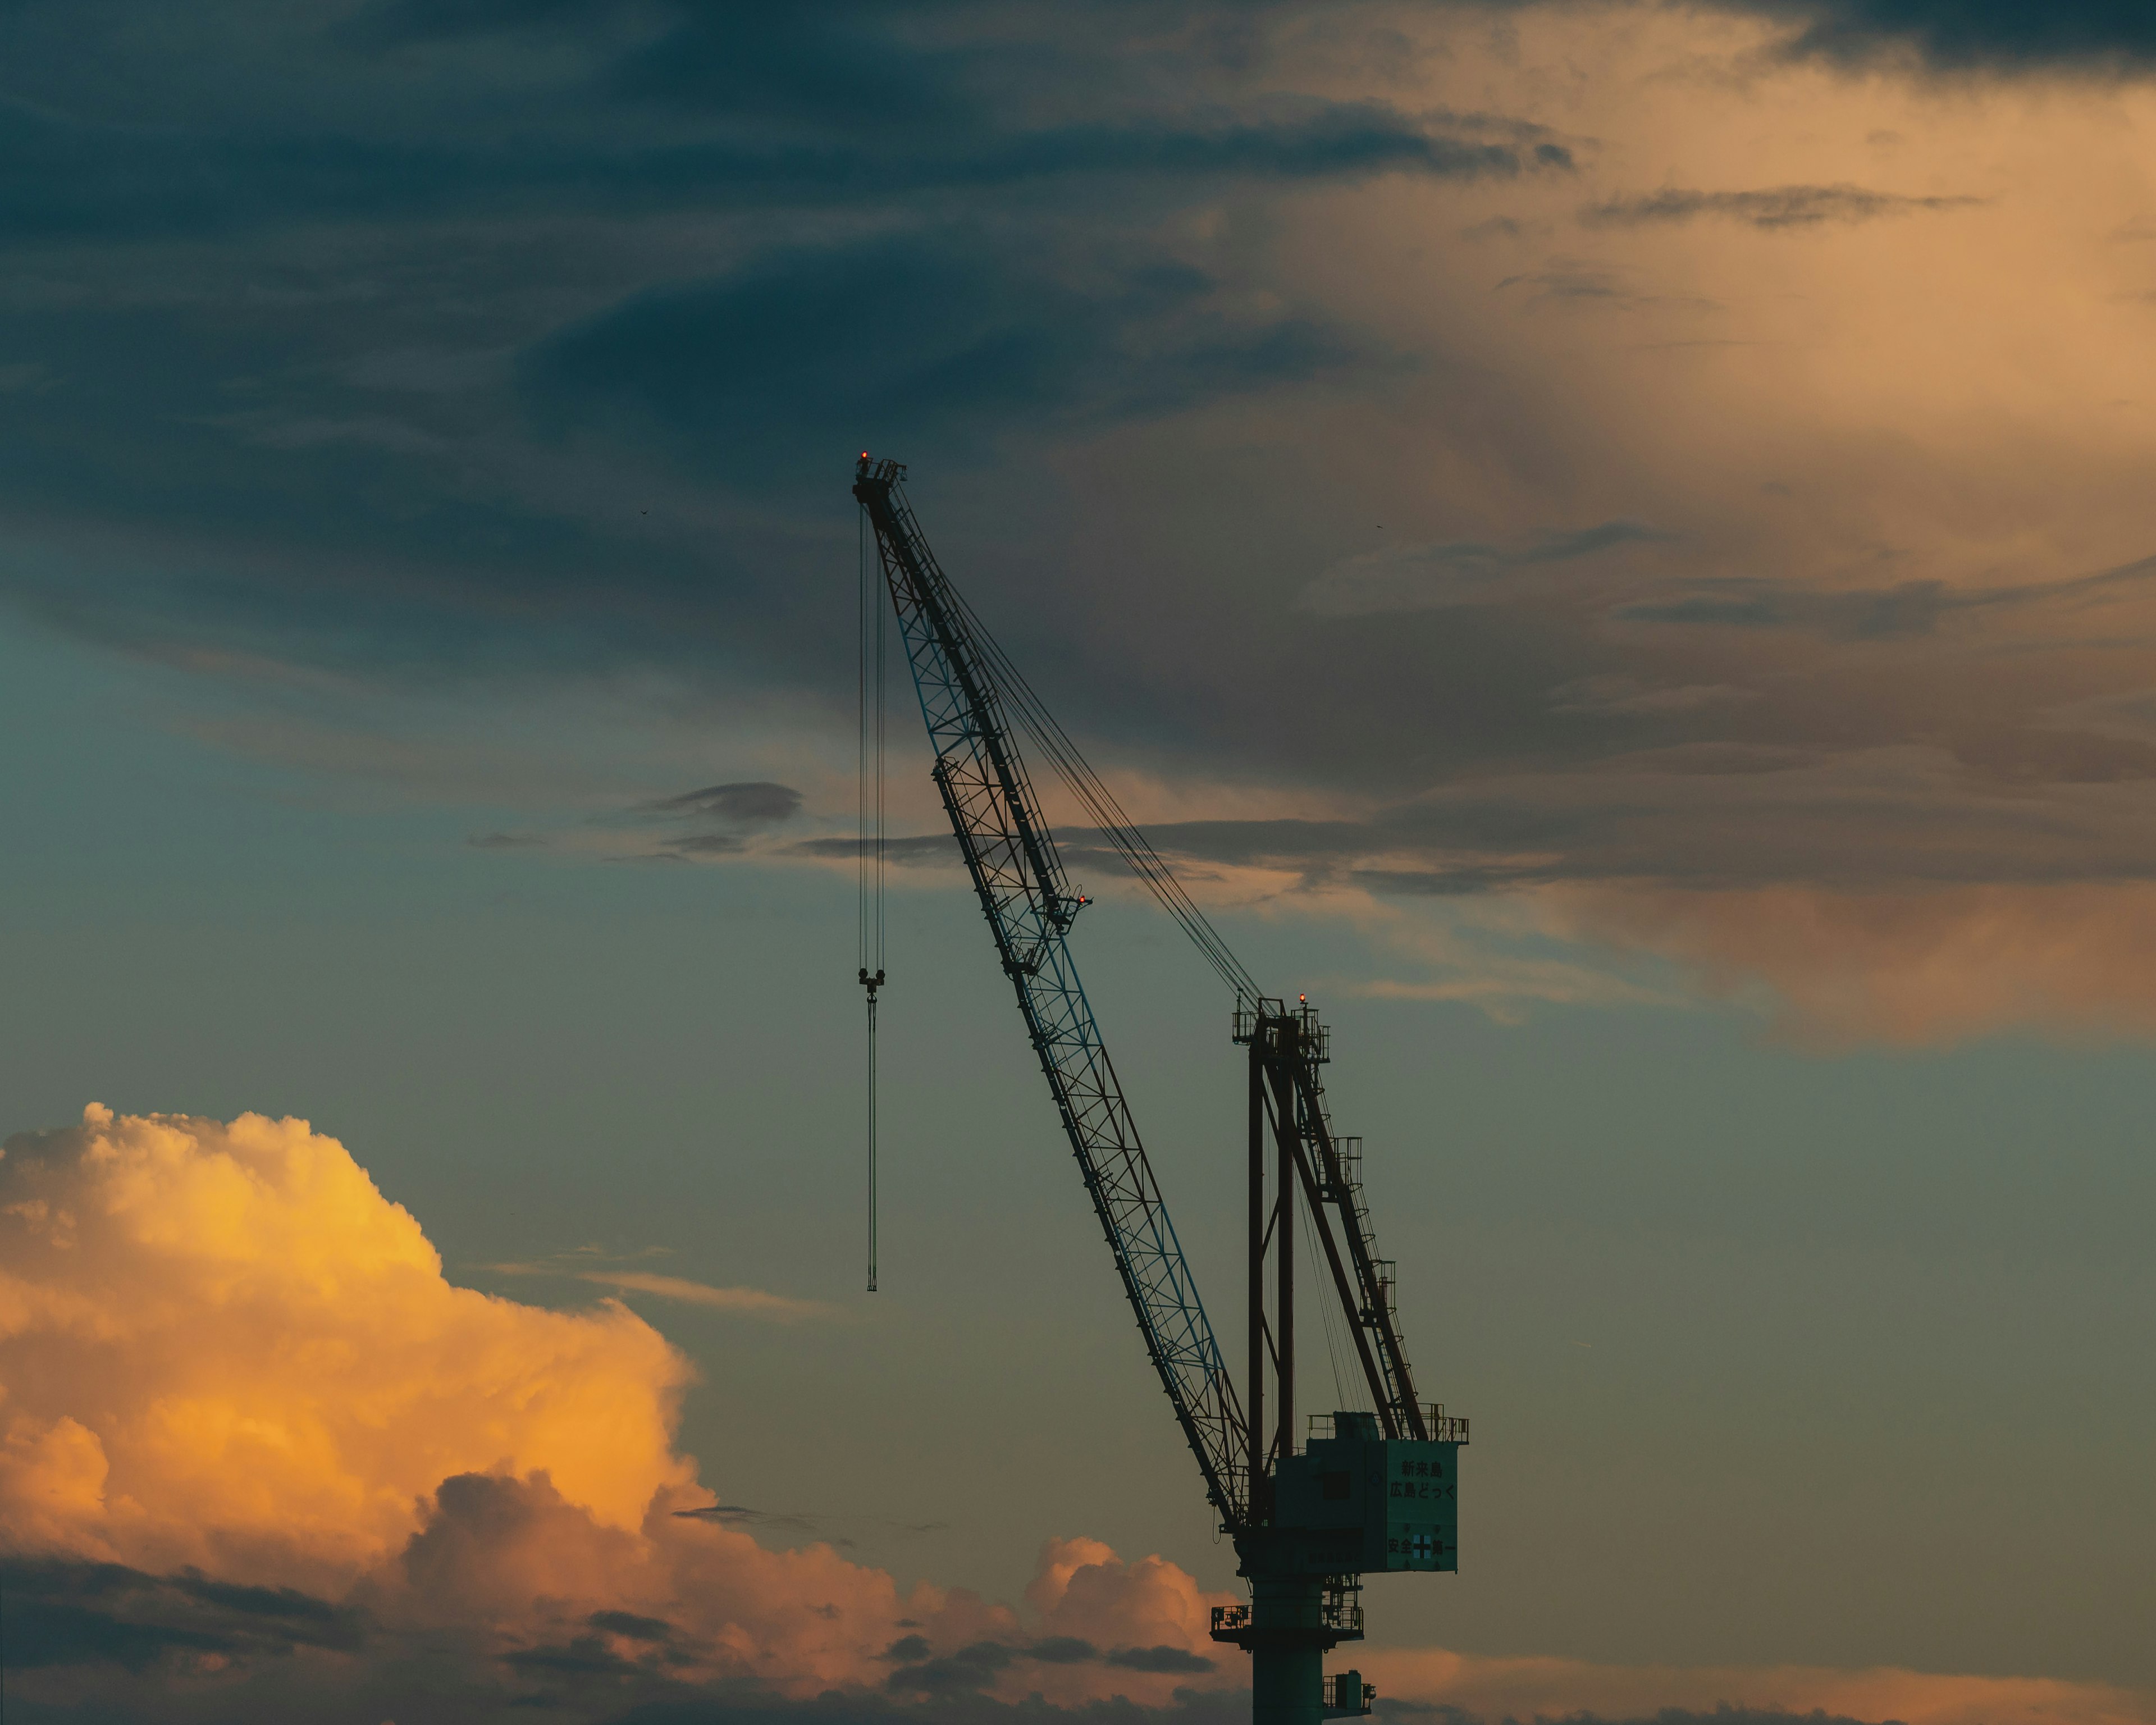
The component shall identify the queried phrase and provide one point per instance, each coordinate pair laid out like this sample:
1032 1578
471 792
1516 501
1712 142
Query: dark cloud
942 338
89 1644
1585 283
748 804
786 1522
1063 1649
380 373
730 108
629 1623
914 850
756 803
970 1668
1910 607
2009 36
740 1514
1159 1659
1774 208
65 1613
921 1672
583 1656
479 343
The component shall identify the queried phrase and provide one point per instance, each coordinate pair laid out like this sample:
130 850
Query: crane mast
1368 1490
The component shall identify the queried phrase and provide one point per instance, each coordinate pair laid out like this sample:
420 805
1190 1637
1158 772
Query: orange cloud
1083 1590
221 1346
1907 968
223 1349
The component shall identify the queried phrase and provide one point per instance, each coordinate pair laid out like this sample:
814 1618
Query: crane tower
1366 1490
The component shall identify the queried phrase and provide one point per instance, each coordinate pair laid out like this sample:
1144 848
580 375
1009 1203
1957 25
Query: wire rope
1335 1344
1054 745
869 832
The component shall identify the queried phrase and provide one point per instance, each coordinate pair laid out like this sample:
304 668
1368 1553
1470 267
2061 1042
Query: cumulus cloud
245 1417
228 1366
223 1347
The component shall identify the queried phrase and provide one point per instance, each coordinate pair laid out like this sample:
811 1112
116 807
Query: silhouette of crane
1368 1490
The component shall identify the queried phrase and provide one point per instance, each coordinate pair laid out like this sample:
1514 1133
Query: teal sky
1607 541
1773 1356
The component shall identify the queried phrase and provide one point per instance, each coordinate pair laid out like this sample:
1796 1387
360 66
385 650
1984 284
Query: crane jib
1010 854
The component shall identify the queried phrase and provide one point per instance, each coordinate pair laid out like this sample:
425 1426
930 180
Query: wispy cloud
1772 207
606 1270
1456 572
756 1302
754 803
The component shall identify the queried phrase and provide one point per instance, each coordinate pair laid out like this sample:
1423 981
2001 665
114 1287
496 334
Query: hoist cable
868 836
1055 744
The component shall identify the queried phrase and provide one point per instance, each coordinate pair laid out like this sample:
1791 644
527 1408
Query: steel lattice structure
1012 856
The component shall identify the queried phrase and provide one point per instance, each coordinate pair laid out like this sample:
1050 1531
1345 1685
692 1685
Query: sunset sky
1613 545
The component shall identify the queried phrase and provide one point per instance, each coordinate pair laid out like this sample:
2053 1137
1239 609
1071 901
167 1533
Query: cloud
1178 326
1446 573
1160 1659
1777 208
248 1427
759 802
1902 969
975 338
1081 1589
910 850
285 1295
222 1346
71 1613
753 1302
506 1596
1998 36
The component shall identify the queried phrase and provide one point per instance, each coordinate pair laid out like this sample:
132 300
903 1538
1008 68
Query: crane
1368 1490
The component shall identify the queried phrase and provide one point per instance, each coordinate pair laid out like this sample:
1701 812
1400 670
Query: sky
1609 543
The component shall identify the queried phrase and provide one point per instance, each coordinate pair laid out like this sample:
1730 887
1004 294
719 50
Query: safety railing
1339 1609
1443 1428
1348 1153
